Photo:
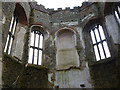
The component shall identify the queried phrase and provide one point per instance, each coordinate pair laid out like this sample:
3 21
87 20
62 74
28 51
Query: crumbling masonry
68 58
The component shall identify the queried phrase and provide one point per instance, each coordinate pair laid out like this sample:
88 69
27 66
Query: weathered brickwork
68 59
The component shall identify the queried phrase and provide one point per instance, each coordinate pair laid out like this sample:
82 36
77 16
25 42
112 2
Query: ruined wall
33 76
104 74
73 78
88 72
7 12
16 75
113 29
12 69
1 44
17 48
53 22
41 18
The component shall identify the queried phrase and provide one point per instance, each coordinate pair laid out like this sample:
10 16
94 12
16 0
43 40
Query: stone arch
89 47
92 22
67 55
41 29
36 44
20 13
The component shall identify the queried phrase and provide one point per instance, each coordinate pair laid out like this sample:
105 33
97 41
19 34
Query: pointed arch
20 13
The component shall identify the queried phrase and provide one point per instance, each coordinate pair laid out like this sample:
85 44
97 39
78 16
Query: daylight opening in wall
99 42
117 14
11 35
36 45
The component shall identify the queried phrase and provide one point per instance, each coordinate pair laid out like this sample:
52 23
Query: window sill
36 66
103 61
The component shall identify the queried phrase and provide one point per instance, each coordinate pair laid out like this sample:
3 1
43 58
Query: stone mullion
38 49
97 44
34 48
101 41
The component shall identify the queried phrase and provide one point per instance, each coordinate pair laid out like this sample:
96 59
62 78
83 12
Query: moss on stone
11 70
26 47
31 19
98 6
104 75
34 76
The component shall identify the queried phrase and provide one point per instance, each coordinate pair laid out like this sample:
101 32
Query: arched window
19 16
36 47
99 42
117 13
11 35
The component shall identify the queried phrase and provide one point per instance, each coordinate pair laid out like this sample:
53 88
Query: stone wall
7 12
73 78
104 74
16 75
12 69
113 29
41 18
1 20
33 77
18 45
101 74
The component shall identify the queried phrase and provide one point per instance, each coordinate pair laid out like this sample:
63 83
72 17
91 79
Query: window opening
117 13
11 35
99 42
36 48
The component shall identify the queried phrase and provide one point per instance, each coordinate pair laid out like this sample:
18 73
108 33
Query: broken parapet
75 9
40 7
85 4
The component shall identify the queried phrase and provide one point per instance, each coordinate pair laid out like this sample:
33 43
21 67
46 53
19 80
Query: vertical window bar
9 36
97 44
11 24
96 53
35 56
34 45
13 31
97 34
41 41
92 37
32 39
36 40
106 49
101 40
118 12
30 55
38 50
116 15
9 50
40 57
14 27
7 43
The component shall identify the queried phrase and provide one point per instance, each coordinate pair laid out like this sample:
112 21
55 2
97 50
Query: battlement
51 10
40 7
75 9
60 9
